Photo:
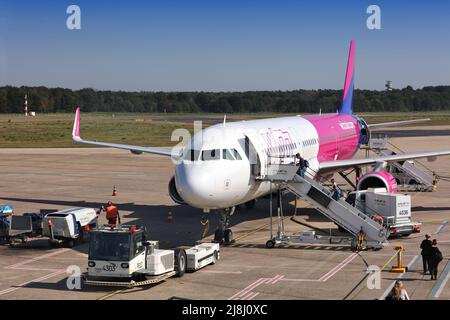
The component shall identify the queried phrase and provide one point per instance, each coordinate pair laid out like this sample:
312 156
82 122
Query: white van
69 225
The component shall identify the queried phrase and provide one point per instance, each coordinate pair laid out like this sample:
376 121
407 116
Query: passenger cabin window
211 154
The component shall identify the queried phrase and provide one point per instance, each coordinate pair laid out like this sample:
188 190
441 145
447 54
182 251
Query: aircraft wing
338 165
134 149
396 123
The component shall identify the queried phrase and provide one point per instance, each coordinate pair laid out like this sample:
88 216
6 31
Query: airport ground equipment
410 175
19 229
399 268
123 257
366 232
69 226
393 210
201 255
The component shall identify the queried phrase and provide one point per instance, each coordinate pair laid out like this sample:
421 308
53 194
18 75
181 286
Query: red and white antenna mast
26 105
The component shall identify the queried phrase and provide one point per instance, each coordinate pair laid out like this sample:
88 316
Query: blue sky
222 45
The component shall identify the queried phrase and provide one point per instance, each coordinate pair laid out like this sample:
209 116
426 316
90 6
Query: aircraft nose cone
195 185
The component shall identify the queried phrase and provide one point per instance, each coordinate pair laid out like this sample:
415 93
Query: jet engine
173 192
378 179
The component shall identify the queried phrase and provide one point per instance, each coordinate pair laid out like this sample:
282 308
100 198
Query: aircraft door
254 150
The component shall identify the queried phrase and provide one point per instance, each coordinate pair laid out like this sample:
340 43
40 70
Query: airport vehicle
66 227
69 226
226 164
18 229
392 209
122 256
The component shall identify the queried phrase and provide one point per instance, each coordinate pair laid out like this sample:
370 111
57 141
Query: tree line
50 100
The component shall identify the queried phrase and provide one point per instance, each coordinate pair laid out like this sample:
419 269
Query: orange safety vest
111 212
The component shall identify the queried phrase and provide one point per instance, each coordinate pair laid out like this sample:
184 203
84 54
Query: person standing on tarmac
434 259
426 251
112 213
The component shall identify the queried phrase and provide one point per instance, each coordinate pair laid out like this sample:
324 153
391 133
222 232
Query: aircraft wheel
218 236
270 244
228 236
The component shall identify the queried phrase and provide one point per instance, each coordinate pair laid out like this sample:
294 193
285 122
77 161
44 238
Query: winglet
76 126
347 99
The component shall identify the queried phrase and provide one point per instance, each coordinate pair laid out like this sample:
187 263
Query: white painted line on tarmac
400 276
338 268
442 281
248 288
36 258
12 289
224 272
441 227
300 280
33 269
251 296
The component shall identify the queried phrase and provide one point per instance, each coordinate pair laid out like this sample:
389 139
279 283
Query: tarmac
33 179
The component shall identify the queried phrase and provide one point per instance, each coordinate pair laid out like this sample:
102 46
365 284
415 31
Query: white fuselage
221 181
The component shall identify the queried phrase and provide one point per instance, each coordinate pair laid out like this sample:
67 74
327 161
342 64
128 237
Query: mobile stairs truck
366 232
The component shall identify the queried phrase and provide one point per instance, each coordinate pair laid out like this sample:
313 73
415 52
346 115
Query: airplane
218 168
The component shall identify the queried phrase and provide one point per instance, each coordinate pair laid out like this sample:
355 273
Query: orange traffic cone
114 194
169 217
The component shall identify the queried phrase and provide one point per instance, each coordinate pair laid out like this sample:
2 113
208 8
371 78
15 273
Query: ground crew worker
426 250
112 214
378 219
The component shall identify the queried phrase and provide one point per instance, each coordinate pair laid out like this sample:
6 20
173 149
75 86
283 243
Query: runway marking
338 268
247 293
109 295
36 258
224 272
248 288
48 276
442 281
441 227
400 276
251 296
21 266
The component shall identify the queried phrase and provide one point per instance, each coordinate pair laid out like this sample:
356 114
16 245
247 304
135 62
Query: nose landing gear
223 234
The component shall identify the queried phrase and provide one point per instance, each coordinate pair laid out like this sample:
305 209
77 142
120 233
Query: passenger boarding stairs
406 173
338 211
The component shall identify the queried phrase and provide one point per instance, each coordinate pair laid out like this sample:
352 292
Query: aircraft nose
195 185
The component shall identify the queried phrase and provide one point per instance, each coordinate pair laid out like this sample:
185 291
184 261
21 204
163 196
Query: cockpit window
211 154
227 154
191 154
236 154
